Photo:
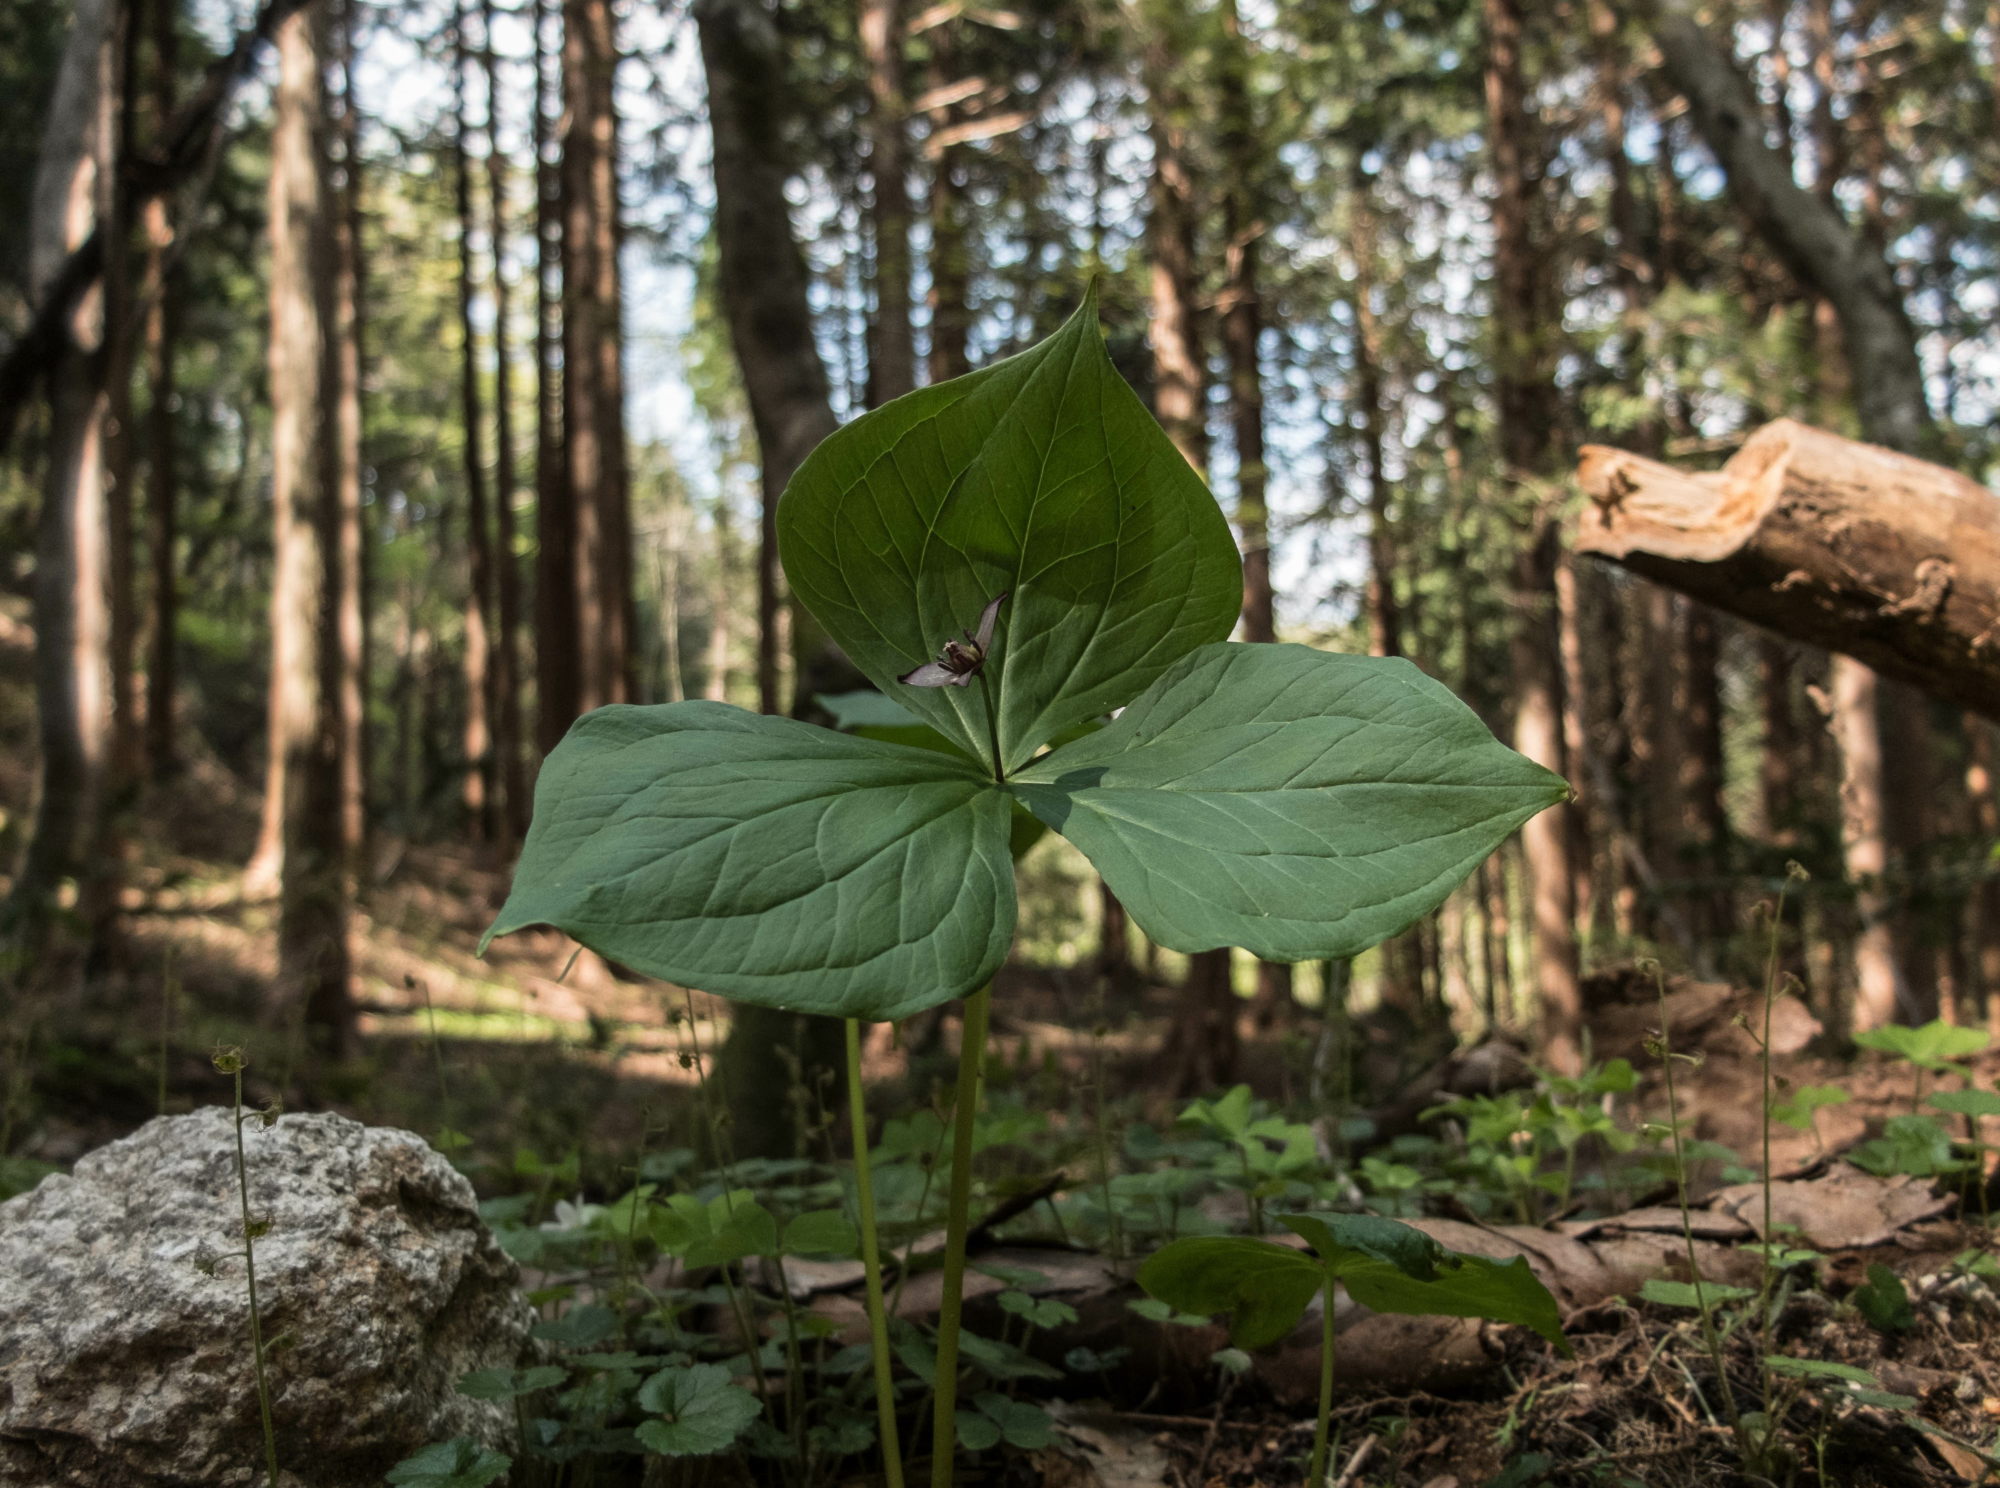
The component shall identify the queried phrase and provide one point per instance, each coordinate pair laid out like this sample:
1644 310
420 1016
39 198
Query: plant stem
1703 1306
1322 1428
250 1285
871 1260
992 725
944 1435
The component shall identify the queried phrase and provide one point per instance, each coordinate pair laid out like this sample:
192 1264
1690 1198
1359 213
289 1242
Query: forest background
369 416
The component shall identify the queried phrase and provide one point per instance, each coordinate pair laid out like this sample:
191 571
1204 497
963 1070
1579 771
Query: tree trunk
1890 559
1878 989
1200 1050
557 687
949 299
508 744
73 191
593 364
892 357
1242 333
162 335
479 787
356 568
313 973
1385 625
1705 825
1526 394
765 298
1982 789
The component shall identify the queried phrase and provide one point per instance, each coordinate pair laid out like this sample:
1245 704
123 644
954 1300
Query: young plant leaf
1933 1045
1293 802
1797 1110
821 1232
1967 1102
698 1411
458 1463
1915 1145
1667 1293
768 860
1043 477
1882 1300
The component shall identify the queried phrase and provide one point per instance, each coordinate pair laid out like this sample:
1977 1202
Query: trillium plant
1042 590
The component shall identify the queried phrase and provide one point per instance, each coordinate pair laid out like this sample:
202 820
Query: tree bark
313 971
1242 334
593 362
948 302
162 335
72 202
507 741
892 357
1526 394
1201 1046
557 688
355 564
1889 559
480 789
765 289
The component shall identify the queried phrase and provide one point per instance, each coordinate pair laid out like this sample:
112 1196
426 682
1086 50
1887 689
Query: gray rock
125 1354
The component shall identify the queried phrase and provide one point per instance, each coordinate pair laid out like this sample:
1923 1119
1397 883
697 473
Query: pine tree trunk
479 787
313 971
507 741
355 563
1201 1046
1526 394
949 298
162 336
557 685
892 357
765 298
73 193
593 375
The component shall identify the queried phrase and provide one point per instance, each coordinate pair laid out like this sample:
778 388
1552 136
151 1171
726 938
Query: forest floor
527 1059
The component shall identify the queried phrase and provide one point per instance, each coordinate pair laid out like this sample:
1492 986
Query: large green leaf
1385 1265
1351 1242
1294 802
1264 1287
769 860
1043 477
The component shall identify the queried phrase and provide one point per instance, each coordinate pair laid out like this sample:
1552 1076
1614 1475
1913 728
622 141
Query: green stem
992 725
1703 1305
250 1284
871 1260
1323 1427
944 1435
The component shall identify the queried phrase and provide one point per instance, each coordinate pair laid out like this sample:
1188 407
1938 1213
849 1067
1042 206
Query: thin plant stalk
1707 1312
232 1061
738 1306
871 1261
1769 1274
992 726
1323 1427
944 1435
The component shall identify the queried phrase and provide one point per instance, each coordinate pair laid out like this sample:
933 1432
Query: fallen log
1823 539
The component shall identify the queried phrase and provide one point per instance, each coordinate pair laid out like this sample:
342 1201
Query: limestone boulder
125 1354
